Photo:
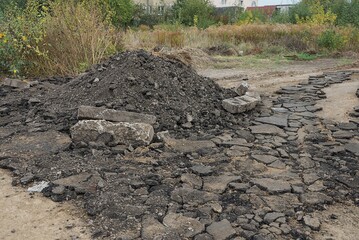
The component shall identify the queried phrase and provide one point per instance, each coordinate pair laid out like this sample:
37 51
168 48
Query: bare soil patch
267 76
341 100
34 217
340 222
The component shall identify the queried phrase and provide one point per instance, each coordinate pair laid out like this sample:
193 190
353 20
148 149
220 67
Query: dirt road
266 76
34 217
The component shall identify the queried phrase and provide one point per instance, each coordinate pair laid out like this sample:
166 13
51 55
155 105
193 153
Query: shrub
197 13
173 39
76 37
64 38
330 40
299 11
248 17
21 34
347 12
120 12
281 17
312 11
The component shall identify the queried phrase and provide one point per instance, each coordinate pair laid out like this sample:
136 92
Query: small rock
312 222
192 180
15 83
310 178
343 134
353 148
29 177
34 100
277 120
315 198
266 159
193 196
202 170
184 226
242 88
122 132
239 186
239 104
267 129
58 190
272 186
203 236
152 229
38 187
218 184
272 216
221 230
83 182
348 126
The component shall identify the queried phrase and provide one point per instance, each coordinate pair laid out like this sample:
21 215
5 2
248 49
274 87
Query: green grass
307 56
250 61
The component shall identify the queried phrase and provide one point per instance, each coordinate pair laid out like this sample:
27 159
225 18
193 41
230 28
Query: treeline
201 13
338 12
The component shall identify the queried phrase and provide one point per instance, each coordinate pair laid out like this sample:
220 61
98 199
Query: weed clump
60 38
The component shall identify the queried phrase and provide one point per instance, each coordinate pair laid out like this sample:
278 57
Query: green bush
330 40
347 12
21 32
251 17
197 13
121 12
281 17
299 11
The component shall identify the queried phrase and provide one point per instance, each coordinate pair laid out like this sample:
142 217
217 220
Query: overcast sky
275 2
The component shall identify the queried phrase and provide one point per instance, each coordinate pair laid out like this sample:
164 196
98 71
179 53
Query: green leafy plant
306 56
330 40
21 35
121 12
194 12
248 17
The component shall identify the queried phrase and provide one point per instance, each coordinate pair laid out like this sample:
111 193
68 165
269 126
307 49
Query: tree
121 12
194 12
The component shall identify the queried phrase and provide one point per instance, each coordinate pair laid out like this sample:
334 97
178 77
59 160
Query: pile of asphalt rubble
151 150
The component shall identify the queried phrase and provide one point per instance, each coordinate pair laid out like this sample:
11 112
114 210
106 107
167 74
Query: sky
275 2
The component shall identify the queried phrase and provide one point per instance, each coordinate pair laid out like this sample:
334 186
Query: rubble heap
143 83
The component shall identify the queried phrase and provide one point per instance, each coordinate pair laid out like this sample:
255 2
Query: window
254 4
224 2
161 10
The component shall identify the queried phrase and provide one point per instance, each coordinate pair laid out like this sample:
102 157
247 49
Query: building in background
158 6
155 6
235 3
269 10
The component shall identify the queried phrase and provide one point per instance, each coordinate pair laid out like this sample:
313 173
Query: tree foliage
194 12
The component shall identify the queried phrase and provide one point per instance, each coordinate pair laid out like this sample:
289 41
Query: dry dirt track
340 100
268 77
26 217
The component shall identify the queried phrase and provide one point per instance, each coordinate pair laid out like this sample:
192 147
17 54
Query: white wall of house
155 6
216 3
235 3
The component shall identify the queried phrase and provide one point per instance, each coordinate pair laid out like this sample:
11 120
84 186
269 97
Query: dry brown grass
76 37
248 38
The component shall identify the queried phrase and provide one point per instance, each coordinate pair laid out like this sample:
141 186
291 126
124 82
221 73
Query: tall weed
76 37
